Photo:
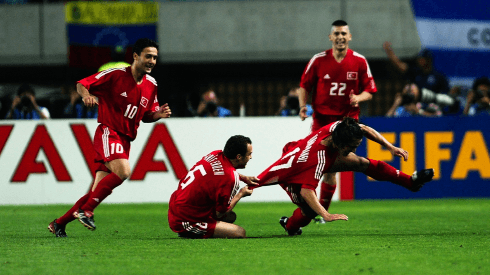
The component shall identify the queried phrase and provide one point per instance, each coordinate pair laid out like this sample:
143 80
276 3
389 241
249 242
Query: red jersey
335 81
122 102
302 162
208 187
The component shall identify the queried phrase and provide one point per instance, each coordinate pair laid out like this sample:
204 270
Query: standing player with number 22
125 96
341 79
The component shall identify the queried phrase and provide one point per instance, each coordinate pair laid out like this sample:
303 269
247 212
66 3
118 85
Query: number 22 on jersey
338 89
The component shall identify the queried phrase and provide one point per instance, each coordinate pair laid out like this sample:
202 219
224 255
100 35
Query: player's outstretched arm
375 136
249 180
312 200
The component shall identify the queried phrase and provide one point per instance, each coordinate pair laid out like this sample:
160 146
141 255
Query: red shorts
320 120
192 230
110 145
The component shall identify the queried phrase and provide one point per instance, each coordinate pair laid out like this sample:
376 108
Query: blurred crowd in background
408 87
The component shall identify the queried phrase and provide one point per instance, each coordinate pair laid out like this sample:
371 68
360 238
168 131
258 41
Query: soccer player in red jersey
125 97
202 206
341 79
328 150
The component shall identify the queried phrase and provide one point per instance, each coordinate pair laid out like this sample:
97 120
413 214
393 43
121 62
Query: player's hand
302 113
335 217
164 111
395 151
245 192
15 101
354 99
90 101
387 46
249 180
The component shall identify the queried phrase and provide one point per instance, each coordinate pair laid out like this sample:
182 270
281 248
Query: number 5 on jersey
190 176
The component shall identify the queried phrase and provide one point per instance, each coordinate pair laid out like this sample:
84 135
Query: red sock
326 194
297 220
382 171
68 216
104 188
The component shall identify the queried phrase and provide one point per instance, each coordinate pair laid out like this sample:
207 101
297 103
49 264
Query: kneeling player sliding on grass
327 150
202 206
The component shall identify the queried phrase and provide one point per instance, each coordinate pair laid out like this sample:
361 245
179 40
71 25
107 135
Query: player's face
340 37
349 148
243 160
146 60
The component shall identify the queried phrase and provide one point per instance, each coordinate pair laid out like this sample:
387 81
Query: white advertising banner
50 162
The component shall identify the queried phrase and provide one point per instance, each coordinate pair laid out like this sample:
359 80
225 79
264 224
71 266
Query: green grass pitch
444 236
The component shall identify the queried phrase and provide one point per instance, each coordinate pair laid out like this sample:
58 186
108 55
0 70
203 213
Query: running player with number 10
125 97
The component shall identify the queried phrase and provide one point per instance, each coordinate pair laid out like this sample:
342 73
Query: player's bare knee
240 233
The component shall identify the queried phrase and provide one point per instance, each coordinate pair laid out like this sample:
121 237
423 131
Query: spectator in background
24 105
289 104
422 73
117 59
478 99
75 107
208 107
407 105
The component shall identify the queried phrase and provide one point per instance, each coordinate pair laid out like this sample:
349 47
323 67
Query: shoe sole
88 226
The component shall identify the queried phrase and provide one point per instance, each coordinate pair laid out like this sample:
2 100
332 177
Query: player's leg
119 170
228 230
295 223
113 150
382 171
58 226
86 217
327 189
302 216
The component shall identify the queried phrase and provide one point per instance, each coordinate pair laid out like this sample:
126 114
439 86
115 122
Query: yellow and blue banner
456 147
96 28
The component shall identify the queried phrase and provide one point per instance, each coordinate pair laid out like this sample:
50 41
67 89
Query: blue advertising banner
458 33
456 147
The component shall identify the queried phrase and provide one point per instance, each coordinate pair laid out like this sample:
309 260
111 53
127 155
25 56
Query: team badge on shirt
351 75
144 101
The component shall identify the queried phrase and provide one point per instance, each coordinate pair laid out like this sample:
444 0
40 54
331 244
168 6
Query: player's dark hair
143 43
236 145
347 132
480 81
339 23
25 88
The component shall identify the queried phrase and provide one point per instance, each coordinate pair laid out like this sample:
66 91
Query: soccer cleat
86 218
57 229
419 178
283 221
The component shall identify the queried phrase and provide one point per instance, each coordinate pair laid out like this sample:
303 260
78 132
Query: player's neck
339 55
327 141
138 76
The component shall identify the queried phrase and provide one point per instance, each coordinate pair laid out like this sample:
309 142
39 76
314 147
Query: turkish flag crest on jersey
351 75
144 101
